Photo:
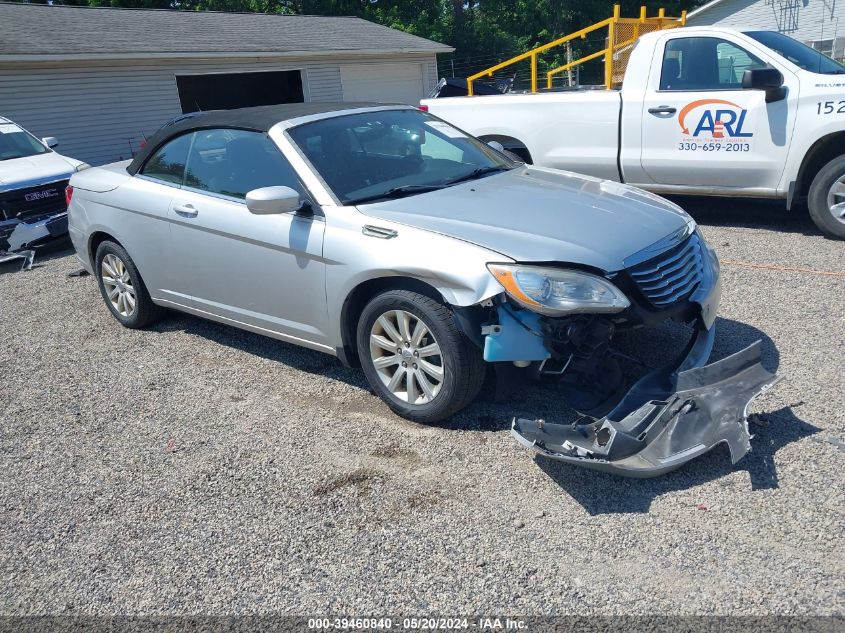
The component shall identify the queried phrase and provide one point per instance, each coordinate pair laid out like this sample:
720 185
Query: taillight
424 108
68 195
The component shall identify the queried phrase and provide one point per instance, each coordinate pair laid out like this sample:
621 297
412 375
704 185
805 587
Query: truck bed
589 120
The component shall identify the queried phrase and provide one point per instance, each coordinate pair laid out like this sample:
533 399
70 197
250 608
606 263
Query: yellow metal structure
622 33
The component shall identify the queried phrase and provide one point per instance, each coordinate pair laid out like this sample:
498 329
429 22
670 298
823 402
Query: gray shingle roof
39 30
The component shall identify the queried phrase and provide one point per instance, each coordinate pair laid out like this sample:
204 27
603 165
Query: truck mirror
768 79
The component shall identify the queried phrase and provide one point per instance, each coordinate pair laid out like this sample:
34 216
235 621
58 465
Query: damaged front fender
669 417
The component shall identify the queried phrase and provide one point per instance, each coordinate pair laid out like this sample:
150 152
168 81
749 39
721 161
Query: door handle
662 110
185 210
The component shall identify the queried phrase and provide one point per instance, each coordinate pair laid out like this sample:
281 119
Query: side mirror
496 145
50 141
768 79
270 200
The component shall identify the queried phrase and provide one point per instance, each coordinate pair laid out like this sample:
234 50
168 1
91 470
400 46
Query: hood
533 214
18 173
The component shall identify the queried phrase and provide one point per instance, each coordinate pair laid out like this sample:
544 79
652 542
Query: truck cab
701 110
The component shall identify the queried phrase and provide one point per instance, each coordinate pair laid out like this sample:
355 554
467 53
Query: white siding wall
100 112
430 75
804 20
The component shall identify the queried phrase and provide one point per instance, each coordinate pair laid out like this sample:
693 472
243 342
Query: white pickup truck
701 110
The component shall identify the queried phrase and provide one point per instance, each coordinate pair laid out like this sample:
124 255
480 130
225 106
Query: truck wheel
826 199
123 289
415 357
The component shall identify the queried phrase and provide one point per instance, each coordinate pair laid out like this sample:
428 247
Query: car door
264 271
144 203
700 128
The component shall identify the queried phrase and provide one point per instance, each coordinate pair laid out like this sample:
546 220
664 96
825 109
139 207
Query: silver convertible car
394 241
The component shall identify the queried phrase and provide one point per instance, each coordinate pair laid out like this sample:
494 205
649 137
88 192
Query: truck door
700 128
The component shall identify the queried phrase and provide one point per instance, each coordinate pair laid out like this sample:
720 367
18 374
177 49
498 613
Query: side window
234 162
733 62
168 162
705 63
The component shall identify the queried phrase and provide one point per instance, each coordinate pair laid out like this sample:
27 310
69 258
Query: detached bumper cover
27 258
17 234
669 417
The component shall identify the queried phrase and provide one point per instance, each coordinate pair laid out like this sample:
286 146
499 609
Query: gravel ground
194 468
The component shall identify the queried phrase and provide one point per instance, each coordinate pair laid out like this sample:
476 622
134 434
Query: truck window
799 54
705 63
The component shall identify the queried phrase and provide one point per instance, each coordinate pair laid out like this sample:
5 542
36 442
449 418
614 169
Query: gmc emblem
40 195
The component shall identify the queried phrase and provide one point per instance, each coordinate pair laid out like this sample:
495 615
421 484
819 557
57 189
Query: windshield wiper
478 173
409 190
396 192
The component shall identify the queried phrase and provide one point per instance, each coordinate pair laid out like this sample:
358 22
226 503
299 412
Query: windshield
392 153
799 54
18 143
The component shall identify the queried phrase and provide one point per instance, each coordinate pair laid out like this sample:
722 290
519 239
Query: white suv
33 179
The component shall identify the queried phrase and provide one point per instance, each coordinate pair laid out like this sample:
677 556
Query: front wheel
826 199
415 357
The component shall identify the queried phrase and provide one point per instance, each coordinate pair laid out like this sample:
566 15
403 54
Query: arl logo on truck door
714 125
717 121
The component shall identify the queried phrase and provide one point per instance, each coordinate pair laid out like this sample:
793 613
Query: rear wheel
826 199
415 357
122 288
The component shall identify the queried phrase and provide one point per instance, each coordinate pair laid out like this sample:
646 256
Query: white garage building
101 79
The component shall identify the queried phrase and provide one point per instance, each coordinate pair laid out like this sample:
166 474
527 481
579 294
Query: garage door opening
388 83
226 91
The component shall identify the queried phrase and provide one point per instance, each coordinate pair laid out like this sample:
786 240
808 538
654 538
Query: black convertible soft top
260 119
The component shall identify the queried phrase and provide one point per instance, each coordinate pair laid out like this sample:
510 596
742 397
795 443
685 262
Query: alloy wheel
836 199
407 357
118 285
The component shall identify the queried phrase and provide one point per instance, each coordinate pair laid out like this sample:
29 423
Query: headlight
556 291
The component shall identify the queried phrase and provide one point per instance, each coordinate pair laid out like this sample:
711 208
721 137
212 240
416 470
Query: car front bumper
670 416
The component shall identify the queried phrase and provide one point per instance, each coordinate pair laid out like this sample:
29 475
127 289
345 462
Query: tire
120 281
459 362
828 188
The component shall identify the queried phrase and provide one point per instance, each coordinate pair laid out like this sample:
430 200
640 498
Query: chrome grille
671 276
45 200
